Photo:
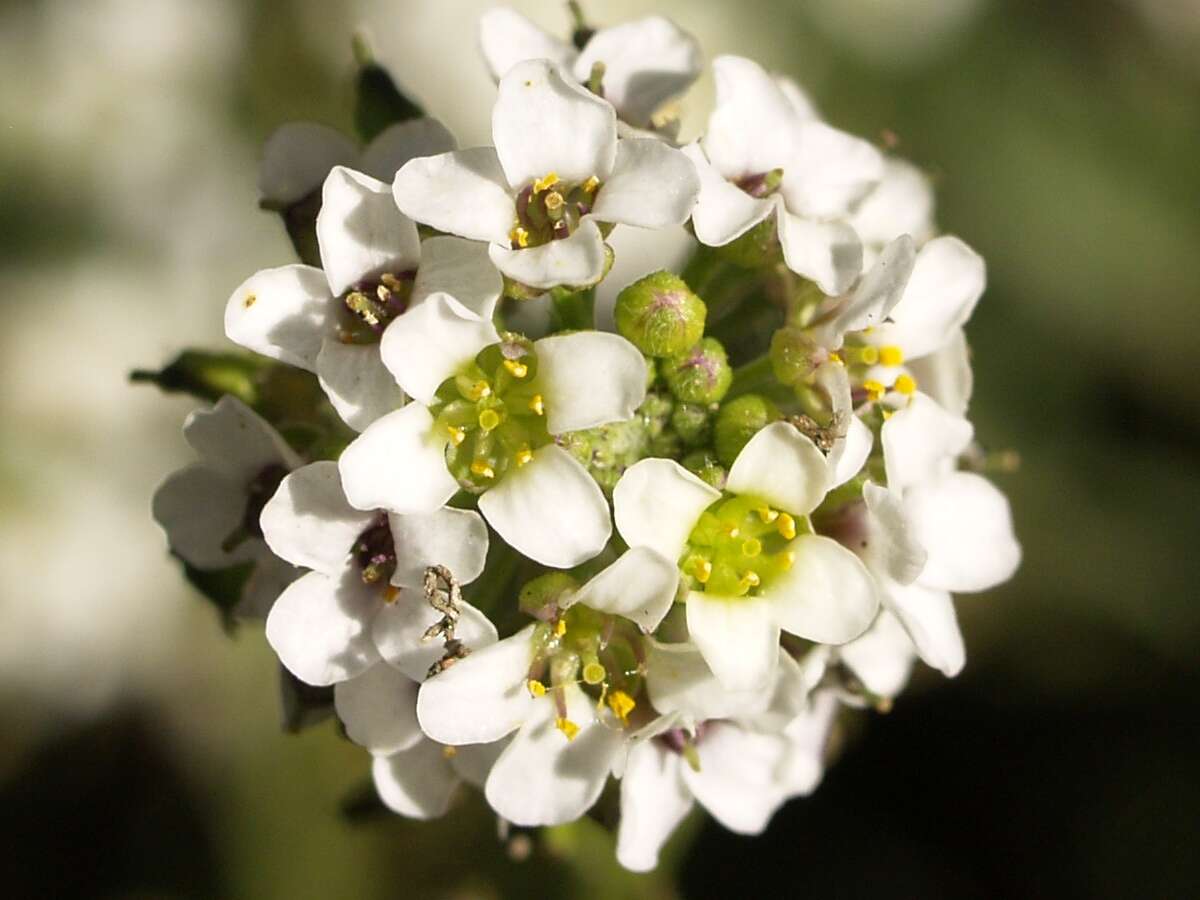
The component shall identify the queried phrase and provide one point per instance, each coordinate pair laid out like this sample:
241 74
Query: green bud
794 355
542 597
738 421
705 466
209 376
693 423
700 375
666 445
660 315
757 247
378 103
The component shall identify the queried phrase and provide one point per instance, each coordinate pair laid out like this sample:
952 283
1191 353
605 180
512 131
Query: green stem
573 310
753 377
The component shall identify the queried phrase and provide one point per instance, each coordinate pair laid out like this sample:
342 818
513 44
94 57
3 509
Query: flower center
259 490
373 304
375 552
492 413
550 209
761 184
739 546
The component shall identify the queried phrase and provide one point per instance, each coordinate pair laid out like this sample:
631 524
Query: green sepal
301 705
208 375
220 587
378 103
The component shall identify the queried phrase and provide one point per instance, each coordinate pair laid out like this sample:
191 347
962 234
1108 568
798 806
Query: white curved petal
309 523
431 342
902 203
284 313
850 453
398 464
473 762
297 157
654 800
589 378
360 232
320 627
577 260
399 632
507 38
640 586
357 383
418 783
966 526
830 172
877 292
269 579
738 637
679 680
379 709
482 698
198 508
402 141
234 439
636 253
783 467
549 509
657 503
652 186
893 547
928 616
828 596
945 374
807 736
738 779
947 281
723 211
753 127
920 441
542 778
882 658
460 268
462 192
454 538
802 104
544 122
828 253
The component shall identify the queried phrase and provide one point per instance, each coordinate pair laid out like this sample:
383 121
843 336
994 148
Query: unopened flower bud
738 421
541 597
699 375
693 423
660 315
794 355
705 465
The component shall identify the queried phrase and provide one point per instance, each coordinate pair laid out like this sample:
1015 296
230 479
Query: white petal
652 186
654 800
753 128
783 467
928 616
198 507
738 637
882 658
893 546
646 63
269 579
947 281
589 378
679 680
636 253
801 103
320 627
418 783
577 260
549 509
850 453
357 383
828 253
398 464
808 735
738 779
945 375
507 38
902 203
723 211
473 762
877 292
827 596
460 268
544 122
830 172
640 586
920 441
542 778
297 157
234 439
482 698
283 313
965 524
402 141
431 342
379 709
400 627
462 192
454 538
309 523
360 231
657 503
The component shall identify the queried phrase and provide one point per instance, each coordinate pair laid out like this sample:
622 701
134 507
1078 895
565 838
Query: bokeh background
140 750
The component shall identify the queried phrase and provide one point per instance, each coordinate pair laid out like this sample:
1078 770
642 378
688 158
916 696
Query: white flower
647 62
209 509
902 203
762 154
376 268
363 599
485 419
752 562
557 170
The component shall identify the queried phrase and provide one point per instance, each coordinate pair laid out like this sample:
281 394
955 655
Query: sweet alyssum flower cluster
416 475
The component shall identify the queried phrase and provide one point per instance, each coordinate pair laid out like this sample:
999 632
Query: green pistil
739 546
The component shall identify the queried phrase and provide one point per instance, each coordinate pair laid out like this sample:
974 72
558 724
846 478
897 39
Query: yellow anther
250 300
567 727
767 514
701 568
887 413
536 688
523 456
591 184
874 389
560 627
750 578
449 752
752 547
519 236
536 405
456 435
390 593
548 181
594 673
489 419
482 469
516 369
731 530
383 294
621 704
478 390
554 201
787 559
891 356
786 526
390 281
905 384
835 357
868 355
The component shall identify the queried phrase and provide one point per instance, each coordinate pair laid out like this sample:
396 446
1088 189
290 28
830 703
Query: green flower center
739 546
371 306
550 209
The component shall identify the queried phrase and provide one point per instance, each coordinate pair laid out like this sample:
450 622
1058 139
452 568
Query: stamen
700 568
536 688
548 181
560 627
477 390
835 357
591 184
482 469
390 593
515 368
787 559
449 752
250 300
874 389
786 526
457 435
523 456
519 236
906 385
767 514
567 727
622 705
537 406
891 355
750 578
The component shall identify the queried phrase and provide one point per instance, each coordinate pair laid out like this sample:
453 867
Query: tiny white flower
557 170
902 203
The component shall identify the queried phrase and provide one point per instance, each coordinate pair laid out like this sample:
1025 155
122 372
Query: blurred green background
140 754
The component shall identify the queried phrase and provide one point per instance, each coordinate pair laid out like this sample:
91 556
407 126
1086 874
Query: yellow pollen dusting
752 547
767 514
591 184
482 469
489 419
536 405
786 526
519 236
536 688
560 627
622 705
523 456
567 727
906 385
891 356
593 673
449 752
516 369
456 435
874 389
548 181
250 300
